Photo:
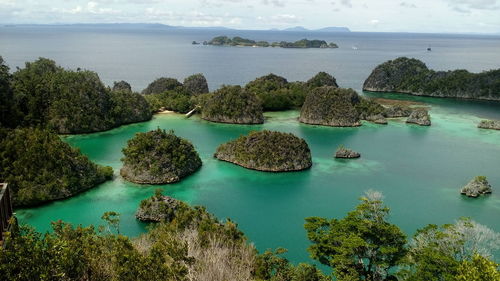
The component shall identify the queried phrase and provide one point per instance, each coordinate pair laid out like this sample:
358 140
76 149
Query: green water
419 169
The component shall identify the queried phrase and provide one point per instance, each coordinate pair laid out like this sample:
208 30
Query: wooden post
5 209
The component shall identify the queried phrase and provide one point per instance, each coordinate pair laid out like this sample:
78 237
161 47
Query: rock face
476 187
161 85
343 152
196 84
397 111
158 157
122 86
489 124
232 104
267 151
159 208
420 117
331 106
377 119
411 76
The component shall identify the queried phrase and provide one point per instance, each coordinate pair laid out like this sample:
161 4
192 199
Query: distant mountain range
324 29
164 26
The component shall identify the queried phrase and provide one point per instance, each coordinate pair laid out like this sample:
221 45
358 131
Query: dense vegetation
194 245
267 151
47 96
158 157
412 76
276 93
170 94
40 167
232 104
238 41
331 106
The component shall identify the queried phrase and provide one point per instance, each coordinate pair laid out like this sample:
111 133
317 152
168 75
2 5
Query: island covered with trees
411 76
267 151
158 157
244 42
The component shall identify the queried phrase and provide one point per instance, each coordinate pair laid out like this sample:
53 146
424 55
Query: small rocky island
343 152
232 104
419 116
331 106
158 157
159 208
489 124
476 187
267 151
411 76
243 42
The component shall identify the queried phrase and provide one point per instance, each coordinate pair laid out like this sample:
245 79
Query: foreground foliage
194 245
40 167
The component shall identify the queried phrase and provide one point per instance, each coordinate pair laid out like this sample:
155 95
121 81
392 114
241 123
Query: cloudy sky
458 16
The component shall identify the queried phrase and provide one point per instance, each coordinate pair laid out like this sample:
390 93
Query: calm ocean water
419 169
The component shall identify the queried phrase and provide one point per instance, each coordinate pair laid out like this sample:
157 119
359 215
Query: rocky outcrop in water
159 208
267 151
232 104
377 119
396 111
158 157
489 124
331 106
476 187
322 79
411 76
419 116
343 152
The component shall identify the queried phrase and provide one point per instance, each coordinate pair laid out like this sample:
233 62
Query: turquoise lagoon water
419 170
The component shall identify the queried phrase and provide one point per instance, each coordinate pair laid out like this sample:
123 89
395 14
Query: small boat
354 47
429 48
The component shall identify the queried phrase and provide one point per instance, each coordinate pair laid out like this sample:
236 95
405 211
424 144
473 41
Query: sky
449 16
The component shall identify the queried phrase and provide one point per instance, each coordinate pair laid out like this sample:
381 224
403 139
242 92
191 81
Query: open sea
420 170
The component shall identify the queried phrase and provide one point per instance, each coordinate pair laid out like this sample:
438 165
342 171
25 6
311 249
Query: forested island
267 151
411 76
243 42
158 157
189 243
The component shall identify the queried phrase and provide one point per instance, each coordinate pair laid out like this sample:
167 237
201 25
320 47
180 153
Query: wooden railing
5 209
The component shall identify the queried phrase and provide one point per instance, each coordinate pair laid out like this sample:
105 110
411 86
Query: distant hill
324 29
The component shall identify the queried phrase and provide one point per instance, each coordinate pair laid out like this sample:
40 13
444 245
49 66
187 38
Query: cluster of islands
43 100
244 42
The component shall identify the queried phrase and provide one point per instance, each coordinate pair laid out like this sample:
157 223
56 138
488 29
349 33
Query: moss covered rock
476 187
158 157
232 104
419 116
331 106
489 124
343 152
267 151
